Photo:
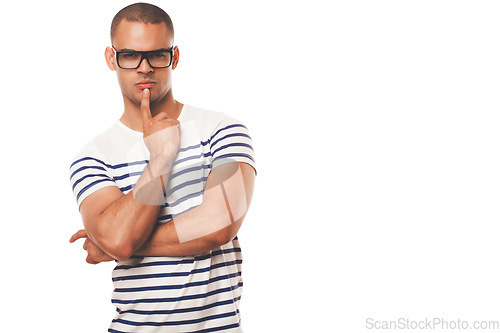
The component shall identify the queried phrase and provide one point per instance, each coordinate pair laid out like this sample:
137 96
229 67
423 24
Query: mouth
145 84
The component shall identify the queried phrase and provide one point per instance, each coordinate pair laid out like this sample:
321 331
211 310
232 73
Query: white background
376 131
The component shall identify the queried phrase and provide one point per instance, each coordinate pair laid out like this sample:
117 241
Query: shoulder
89 170
209 120
226 137
205 116
96 148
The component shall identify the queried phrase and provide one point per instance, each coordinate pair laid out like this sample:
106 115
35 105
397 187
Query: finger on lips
146 111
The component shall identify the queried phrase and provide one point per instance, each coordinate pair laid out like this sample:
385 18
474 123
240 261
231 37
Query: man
164 191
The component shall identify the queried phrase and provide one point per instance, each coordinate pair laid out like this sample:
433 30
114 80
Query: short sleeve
87 175
231 142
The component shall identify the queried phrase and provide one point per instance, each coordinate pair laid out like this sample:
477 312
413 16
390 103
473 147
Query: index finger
77 235
145 109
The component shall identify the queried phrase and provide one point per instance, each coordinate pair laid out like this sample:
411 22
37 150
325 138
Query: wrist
163 144
150 188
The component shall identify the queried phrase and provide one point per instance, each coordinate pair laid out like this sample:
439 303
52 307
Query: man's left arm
227 196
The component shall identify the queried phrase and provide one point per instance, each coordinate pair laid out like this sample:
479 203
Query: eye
130 55
158 55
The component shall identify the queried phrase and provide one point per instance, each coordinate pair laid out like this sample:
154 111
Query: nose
144 67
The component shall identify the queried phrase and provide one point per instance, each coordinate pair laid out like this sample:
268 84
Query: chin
157 98
132 98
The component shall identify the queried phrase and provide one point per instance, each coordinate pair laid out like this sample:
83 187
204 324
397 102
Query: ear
109 54
175 61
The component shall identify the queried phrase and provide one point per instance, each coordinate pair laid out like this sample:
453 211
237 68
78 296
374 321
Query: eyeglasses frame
144 55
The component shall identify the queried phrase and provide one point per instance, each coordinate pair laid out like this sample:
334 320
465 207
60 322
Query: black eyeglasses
130 59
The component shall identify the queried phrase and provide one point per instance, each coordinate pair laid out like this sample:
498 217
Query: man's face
140 36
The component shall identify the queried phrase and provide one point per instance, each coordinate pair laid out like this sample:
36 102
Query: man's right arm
120 224
117 223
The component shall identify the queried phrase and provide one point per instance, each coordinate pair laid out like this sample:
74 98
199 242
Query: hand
161 133
94 254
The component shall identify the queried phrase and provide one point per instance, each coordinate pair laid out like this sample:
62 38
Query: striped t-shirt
171 294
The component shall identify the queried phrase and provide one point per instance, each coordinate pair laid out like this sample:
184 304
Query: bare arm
119 224
165 240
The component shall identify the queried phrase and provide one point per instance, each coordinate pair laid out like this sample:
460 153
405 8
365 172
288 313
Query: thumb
145 109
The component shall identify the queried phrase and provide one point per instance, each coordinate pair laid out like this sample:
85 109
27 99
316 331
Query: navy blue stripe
177 274
107 165
204 143
86 167
183 149
190 169
185 210
217 329
127 175
138 173
194 157
86 159
179 299
236 144
90 185
233 155
171 216
126 188
187 183
177 286
184 198
226 128
229 136
117 166
90 175
196 168
180 262
183 310
177 322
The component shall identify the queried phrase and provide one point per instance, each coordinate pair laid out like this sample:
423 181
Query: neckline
128 129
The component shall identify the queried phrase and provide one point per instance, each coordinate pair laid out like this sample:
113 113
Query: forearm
213 223
164 242
198 230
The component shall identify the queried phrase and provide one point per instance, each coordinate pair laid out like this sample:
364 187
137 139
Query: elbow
116 246
121 249
225 235
118 243
228 233
222 238
122 253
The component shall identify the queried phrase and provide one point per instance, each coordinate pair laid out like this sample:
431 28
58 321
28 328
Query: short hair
142 12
